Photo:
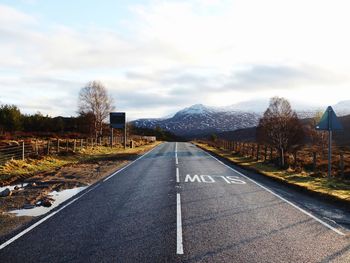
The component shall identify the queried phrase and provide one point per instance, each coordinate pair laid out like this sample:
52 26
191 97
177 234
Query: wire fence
309 158
20 150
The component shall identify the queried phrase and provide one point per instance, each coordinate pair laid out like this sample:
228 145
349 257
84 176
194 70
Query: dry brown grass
16 170
313 182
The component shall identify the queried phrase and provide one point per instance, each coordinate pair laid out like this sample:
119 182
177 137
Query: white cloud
11 16
171 54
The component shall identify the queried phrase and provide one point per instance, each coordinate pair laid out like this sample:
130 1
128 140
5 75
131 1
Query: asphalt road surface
180 204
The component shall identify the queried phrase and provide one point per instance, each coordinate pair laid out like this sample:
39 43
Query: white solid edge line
11 240
280 197
126 166
179 246
8 242
177 175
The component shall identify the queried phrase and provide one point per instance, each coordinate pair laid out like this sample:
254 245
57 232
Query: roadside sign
117 120
329 122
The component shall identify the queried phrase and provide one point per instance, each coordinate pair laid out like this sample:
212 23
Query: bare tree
95 100
280 127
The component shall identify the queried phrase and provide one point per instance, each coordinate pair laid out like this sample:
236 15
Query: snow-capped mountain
303 110
201 119
342 108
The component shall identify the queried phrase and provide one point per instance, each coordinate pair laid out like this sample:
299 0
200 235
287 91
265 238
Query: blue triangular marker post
329 122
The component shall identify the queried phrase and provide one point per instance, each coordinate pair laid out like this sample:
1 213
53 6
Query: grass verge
15 170
334 188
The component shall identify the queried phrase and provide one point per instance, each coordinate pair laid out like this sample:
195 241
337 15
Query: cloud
13 17
170 54
262 77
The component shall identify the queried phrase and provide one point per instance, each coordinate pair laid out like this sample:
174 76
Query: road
179 204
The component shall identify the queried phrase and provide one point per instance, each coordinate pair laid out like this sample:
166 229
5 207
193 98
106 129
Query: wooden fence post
75 145
342 165
295 158
48 147
271 154
314 164
23 149
36 147
67 145
58 145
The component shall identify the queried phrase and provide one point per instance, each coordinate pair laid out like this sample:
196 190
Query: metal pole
111 137
329 154
329 144
125 136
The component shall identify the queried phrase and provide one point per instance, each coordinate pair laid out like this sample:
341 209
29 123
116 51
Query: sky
157 57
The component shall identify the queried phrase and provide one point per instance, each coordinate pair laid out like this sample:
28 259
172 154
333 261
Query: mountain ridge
200 119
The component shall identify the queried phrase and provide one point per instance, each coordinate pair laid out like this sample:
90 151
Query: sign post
118 121
329 122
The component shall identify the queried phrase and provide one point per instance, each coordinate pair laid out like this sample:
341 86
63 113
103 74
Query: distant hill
199 120
342 108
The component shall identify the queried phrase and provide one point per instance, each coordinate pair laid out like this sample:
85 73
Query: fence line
306 158
19 150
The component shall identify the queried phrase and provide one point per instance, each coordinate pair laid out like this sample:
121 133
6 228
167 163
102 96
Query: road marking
204 178
176 159
192 179
235 180
179 244
280 197
227 181
207 179
179 247
93 187
8 242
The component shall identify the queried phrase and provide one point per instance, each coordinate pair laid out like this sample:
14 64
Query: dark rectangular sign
117 120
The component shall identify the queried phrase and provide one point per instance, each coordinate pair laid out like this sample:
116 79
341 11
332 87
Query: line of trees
12 121
94 104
